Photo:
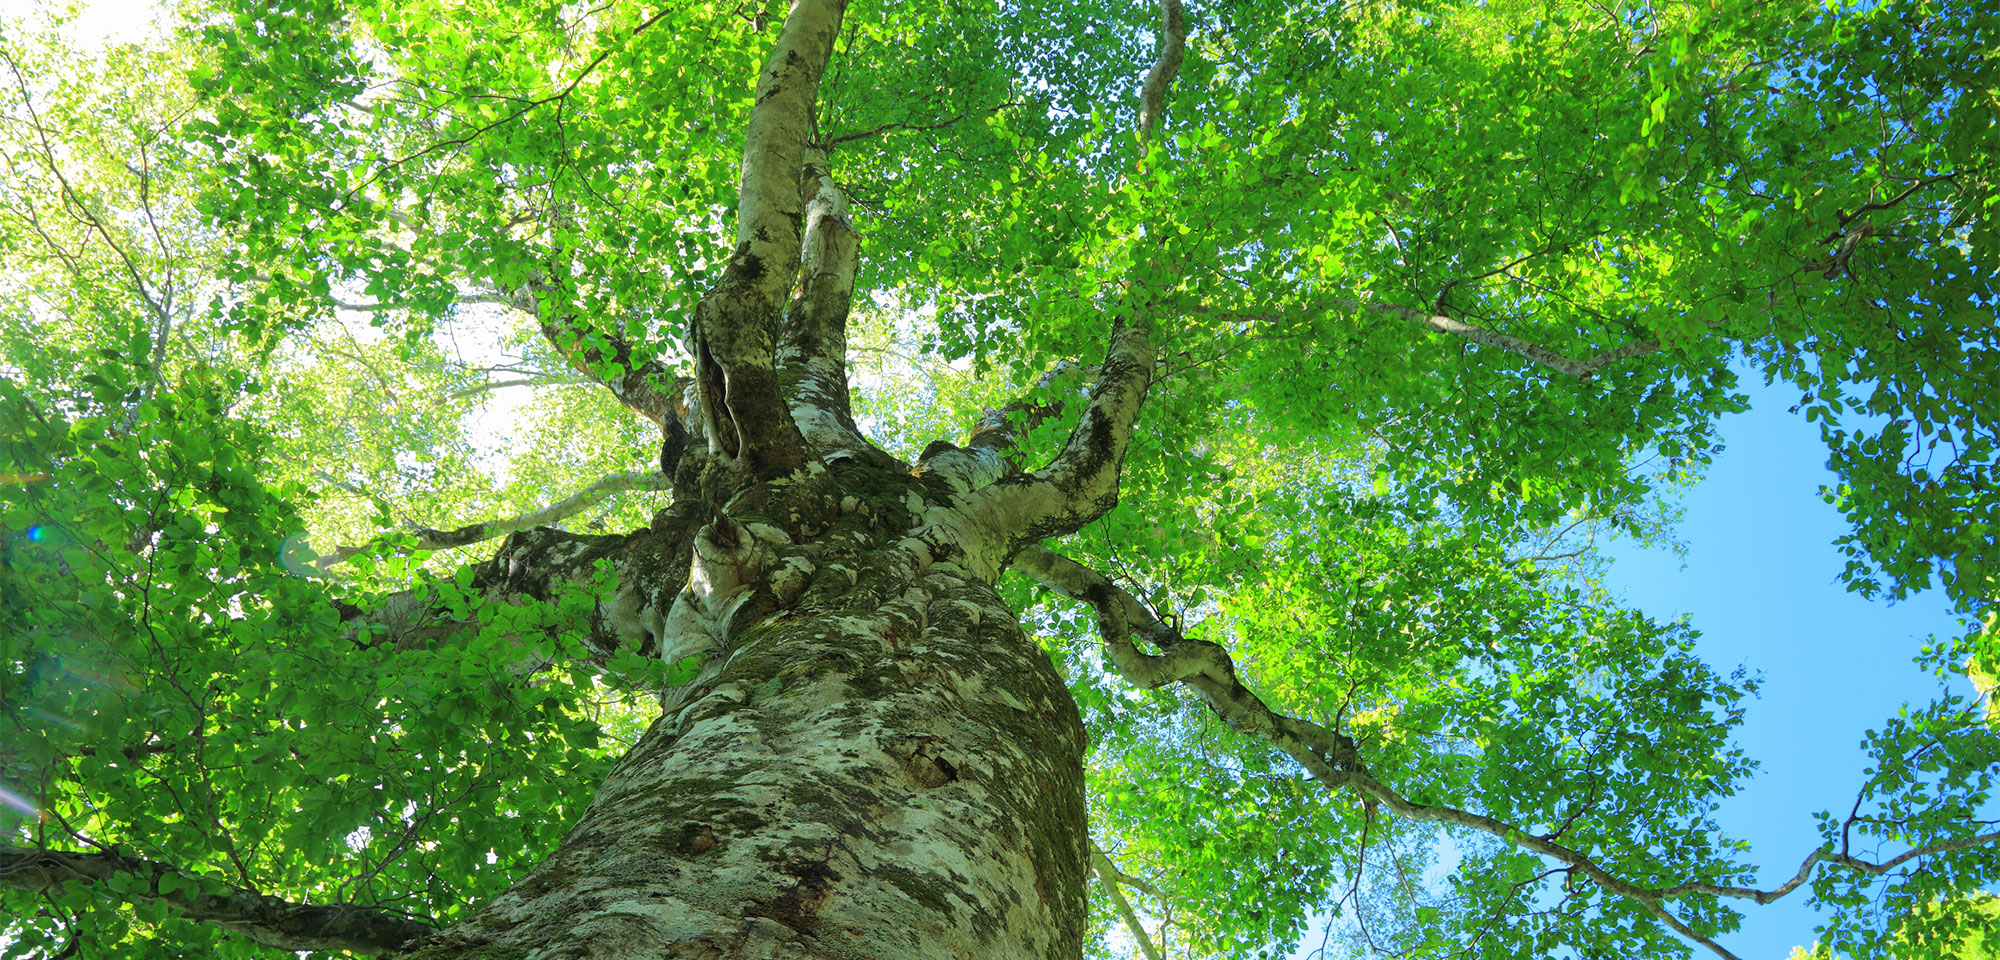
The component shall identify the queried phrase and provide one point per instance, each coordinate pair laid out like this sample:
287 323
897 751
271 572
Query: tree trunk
874 761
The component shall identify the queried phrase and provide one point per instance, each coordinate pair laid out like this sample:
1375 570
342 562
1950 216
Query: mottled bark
1081 483
811 353
736 323
874 761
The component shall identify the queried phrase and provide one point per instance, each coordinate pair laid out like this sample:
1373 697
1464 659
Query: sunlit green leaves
272 277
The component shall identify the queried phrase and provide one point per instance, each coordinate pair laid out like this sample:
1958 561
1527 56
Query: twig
915 127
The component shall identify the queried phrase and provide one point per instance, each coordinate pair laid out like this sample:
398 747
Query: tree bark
874 761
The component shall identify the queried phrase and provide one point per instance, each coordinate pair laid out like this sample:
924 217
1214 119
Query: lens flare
15 801
53 718
297 556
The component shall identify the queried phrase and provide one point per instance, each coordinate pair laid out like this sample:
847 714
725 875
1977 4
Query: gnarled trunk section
875 761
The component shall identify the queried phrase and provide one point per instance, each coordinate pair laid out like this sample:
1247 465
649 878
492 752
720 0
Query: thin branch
526 107
1847 218
915 127
266 920
494 386
1102 862
1113 880
433 539
1581 369
162 315
1660 911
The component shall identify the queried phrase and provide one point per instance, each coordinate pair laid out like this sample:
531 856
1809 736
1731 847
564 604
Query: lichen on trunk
874 761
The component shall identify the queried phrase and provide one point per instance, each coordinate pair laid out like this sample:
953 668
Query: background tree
1273 365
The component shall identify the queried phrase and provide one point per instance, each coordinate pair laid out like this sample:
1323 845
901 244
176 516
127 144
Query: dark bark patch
924 761
799 907
934 893
750 267
697 839
936 448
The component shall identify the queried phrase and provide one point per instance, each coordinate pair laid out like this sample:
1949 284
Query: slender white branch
1526 349
1103 864
1113 880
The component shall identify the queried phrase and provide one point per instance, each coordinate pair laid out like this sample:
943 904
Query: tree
1284 364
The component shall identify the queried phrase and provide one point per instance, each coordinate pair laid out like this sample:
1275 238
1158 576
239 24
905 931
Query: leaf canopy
1444 291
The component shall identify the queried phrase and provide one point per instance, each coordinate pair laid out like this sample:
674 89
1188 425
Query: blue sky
1761 582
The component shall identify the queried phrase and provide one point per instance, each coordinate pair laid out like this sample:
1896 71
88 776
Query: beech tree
1110 481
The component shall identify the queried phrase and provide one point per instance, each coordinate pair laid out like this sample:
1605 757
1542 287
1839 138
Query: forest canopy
925 423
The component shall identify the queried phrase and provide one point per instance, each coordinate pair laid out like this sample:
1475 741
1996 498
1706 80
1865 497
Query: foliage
263 275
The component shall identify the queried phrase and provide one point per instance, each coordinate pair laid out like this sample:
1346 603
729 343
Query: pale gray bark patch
736 322
884 766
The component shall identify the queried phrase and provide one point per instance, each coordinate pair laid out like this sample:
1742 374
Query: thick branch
1202 665
1172 44
812 345
266 920
432 539
1331 758
1081 483
989 454
649 389
540 564
736 322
